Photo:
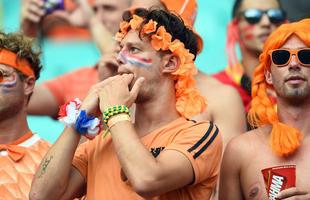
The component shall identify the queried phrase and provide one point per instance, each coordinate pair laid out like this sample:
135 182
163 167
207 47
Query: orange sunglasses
281 57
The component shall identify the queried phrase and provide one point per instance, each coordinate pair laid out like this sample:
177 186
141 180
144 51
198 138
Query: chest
251 176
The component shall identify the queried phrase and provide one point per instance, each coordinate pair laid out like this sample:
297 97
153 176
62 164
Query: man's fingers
34 9
33 18
39 3
127 78
136 87
290 192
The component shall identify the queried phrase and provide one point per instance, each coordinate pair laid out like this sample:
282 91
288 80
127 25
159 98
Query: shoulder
83 71
36 146
245 145
217 93
201 136
209 85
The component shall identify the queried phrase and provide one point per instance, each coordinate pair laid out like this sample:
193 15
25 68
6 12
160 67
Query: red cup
279 178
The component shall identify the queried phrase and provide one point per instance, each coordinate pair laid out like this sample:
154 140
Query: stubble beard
10 111
296 95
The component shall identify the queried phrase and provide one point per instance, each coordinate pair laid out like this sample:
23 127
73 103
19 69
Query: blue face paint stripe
10 84
133 61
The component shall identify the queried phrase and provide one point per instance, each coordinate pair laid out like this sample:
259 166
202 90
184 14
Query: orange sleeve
80 160
202 145
72 85
57 87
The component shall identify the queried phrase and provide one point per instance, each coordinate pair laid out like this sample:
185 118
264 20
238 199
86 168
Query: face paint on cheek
8 85
248 32
134 60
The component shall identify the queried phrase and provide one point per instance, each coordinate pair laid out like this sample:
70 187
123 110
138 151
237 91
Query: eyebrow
134 44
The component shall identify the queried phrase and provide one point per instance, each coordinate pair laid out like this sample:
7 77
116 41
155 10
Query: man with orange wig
275 153
162 154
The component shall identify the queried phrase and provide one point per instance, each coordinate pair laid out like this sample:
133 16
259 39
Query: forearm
29 28
102 36
51 179
137 162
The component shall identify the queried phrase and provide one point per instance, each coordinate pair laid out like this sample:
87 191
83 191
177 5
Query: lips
295 79
263 36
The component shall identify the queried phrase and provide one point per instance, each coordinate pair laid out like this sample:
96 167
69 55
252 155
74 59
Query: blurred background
61 57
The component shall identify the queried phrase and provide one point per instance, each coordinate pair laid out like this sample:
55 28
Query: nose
120 60
265 21
294 64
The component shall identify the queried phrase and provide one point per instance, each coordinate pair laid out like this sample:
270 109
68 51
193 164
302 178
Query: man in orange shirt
21 151
160 156
53 93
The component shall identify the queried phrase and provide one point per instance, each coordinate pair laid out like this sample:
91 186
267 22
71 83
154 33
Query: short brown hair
24 48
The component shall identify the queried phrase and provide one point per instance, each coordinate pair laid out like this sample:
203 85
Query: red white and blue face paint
8 82
127 58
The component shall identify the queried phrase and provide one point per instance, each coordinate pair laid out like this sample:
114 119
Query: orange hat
284 139
187 9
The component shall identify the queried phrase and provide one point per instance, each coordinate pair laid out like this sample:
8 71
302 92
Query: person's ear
268 77
29 83
171 63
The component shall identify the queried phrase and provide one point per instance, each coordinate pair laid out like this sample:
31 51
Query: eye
134 50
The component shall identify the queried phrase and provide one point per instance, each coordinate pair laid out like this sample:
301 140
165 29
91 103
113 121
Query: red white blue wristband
71 115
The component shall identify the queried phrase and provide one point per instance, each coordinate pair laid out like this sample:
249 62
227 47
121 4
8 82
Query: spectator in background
53 93
252 22
21 151
100 17
283 134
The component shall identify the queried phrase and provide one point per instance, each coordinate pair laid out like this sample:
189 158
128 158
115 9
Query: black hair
172 23
237 5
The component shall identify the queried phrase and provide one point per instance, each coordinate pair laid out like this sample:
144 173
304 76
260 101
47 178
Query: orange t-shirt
17 169
72 85
200 142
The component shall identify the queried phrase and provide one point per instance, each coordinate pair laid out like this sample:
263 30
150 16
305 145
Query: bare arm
101 35
56 178
230 186
43 102
31 14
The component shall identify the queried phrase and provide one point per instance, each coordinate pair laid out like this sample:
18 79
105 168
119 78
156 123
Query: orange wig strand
284 139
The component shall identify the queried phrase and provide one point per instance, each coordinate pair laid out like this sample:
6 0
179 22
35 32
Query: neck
13 128
295 115
156 112
250 61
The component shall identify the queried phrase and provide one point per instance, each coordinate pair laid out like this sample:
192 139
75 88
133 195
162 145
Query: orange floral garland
189 101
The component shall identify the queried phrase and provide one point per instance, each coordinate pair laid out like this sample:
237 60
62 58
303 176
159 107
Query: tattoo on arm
44 166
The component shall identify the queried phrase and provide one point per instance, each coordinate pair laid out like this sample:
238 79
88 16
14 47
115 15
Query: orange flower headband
9 58
189 101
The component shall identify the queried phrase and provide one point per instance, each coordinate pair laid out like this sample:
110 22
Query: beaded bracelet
114 110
